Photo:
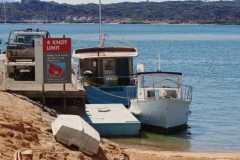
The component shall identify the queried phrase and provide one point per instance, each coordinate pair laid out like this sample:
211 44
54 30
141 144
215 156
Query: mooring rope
110 94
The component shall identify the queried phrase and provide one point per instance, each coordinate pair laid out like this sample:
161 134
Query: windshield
160 81
23 38
26 39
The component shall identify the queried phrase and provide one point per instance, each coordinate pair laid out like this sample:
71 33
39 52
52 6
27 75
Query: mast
4 11
101 35
47 14
159 64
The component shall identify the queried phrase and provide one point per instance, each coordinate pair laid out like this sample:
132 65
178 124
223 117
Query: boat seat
168 93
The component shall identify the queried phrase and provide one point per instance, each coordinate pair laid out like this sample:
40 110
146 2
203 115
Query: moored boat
106 71
107 74
162 100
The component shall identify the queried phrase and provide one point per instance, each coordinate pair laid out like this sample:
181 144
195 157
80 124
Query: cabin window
94 64
28 39
151 93
109 67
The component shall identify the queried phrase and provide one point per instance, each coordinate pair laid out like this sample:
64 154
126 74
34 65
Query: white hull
164 113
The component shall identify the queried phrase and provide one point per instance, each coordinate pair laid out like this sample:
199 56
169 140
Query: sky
91 1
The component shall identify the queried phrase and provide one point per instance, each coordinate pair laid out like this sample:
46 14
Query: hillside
227 12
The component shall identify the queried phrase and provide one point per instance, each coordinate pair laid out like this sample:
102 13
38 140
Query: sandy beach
169 155
26 125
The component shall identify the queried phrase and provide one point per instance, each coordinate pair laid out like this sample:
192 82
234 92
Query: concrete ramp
112 120
72 130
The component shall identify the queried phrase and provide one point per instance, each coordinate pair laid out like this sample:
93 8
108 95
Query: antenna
101 35
159 64
47 14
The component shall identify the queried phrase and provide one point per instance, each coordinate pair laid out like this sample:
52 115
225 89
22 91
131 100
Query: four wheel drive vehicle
21 44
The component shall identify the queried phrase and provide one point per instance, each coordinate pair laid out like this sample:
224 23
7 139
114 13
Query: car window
26 39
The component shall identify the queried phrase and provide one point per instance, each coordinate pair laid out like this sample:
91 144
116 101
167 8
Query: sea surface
208 56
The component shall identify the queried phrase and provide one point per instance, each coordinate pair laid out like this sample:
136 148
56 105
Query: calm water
209 57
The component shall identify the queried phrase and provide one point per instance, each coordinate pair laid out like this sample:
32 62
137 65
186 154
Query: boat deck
112 120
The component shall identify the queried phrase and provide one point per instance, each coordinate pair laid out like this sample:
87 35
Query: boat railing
186 93
182 92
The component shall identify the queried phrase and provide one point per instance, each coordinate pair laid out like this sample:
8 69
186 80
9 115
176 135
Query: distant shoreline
166 12
150 23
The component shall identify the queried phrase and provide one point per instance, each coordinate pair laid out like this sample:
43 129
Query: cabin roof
109 52
29 30
159 72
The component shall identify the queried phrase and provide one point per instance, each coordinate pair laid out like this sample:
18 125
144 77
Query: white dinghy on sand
72 130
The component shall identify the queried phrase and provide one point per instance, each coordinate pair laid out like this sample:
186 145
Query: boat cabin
155 85
106 66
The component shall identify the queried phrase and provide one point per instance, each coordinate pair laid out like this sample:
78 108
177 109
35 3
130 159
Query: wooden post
43 94
64 98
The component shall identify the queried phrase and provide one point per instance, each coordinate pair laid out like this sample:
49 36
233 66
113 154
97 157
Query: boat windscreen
160 81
